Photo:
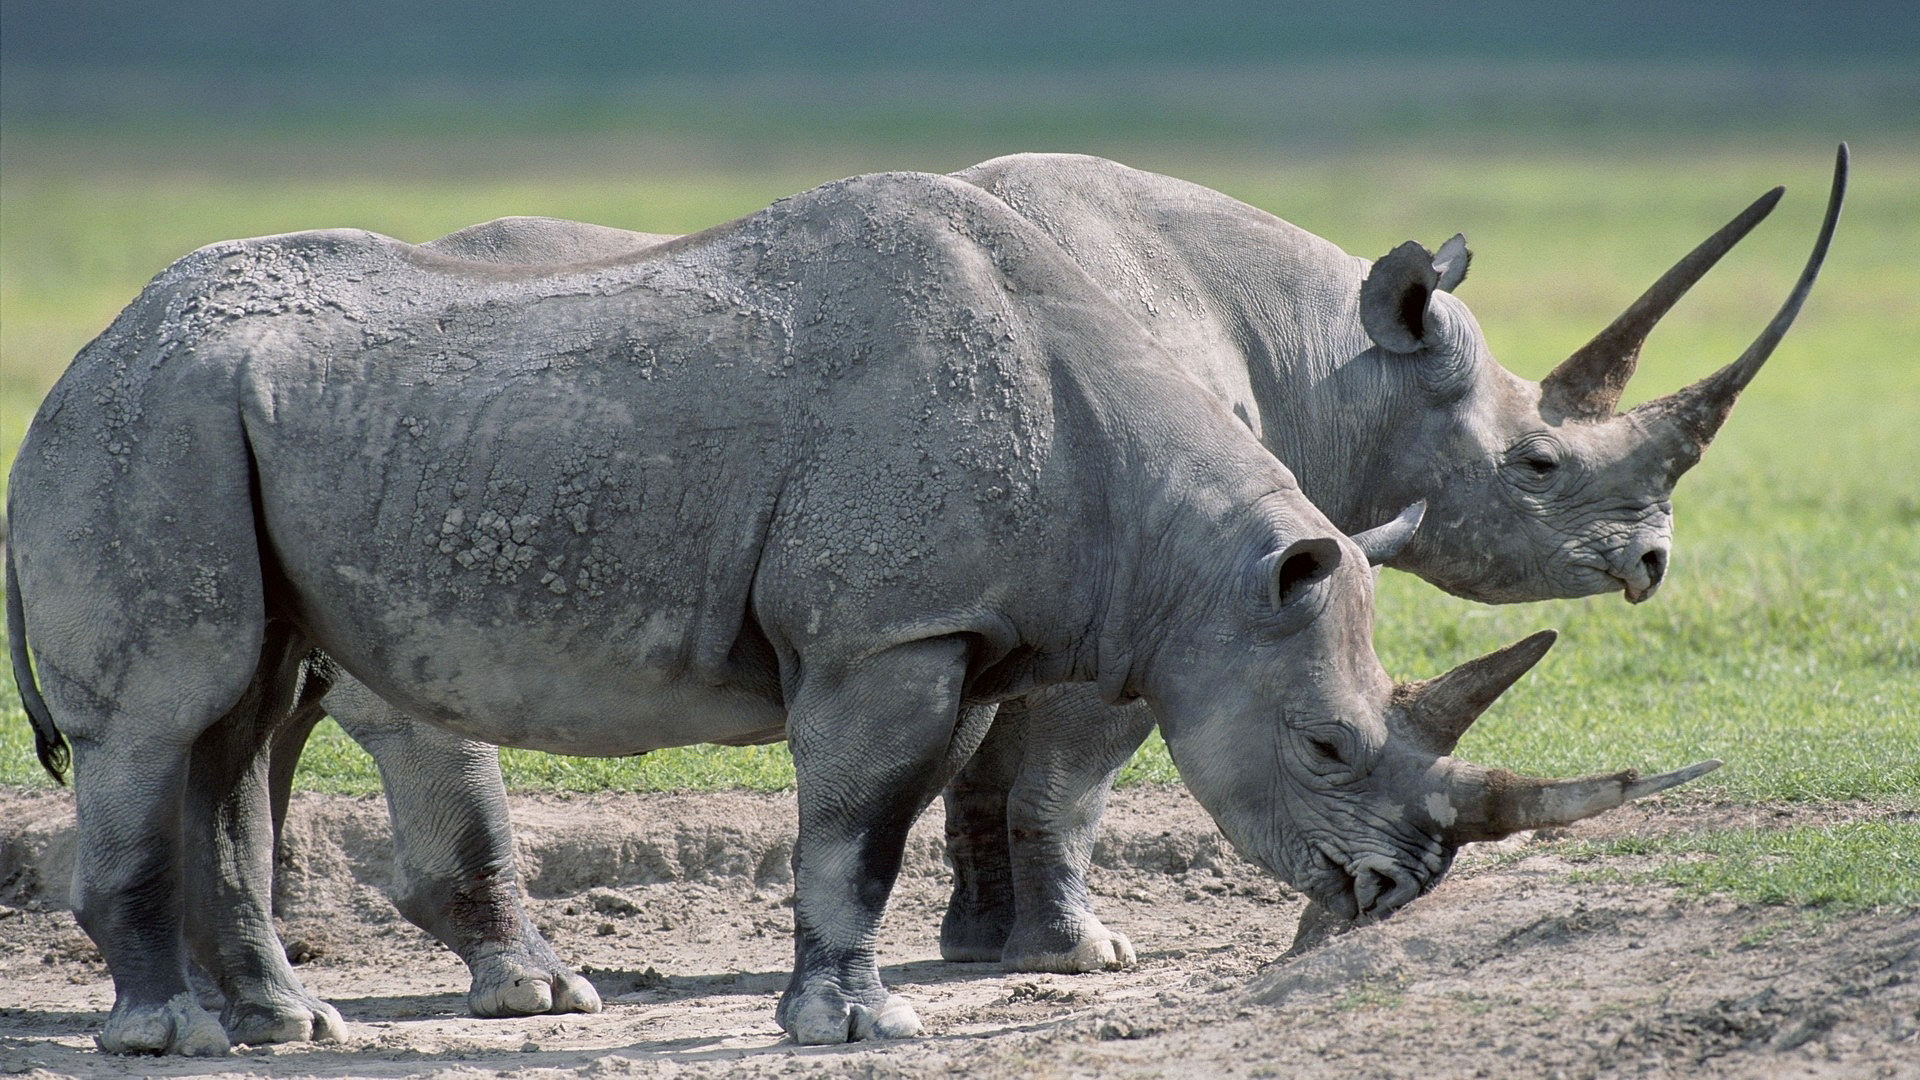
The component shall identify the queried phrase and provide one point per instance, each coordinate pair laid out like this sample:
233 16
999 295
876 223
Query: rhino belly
569 690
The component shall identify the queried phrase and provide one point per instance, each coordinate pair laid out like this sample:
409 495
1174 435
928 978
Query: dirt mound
679 909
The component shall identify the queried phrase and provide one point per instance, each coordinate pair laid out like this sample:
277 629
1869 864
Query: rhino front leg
872 743
1031 799
454 874
1074 746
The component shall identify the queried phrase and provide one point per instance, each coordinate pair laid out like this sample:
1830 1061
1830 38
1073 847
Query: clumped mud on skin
679 909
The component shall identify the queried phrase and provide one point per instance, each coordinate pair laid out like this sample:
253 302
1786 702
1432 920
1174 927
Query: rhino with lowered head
1371 381
846 471
1376 387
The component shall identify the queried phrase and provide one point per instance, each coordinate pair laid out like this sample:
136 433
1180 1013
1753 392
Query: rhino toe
894 1019
572 993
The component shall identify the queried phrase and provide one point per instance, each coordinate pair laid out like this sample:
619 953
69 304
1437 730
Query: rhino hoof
178 1026
508 987
306 1020
1102 951
827 1018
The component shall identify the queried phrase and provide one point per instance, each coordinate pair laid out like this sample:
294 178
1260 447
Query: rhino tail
48 744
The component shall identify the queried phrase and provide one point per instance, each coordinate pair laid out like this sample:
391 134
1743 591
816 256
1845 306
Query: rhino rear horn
1692 416
1439 710
1383 542
1588 384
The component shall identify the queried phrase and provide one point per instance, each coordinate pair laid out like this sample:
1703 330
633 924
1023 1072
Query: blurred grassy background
1580 152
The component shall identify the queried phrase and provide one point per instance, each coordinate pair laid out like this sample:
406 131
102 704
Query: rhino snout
1640 567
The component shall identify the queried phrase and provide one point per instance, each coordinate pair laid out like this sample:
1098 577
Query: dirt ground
679 910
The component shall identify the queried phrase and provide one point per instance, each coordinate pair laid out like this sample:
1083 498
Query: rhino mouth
1365 889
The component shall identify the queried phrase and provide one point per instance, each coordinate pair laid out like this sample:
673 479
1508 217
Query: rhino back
1263 313
540 240
516 494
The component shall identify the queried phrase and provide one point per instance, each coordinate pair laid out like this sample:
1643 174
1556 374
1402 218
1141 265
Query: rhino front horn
1439 710
1491 803
1588 384
1689 418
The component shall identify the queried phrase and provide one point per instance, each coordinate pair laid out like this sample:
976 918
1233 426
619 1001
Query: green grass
1786 640
1858 865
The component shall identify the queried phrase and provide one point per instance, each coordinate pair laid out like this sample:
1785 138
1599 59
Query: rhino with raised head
1370 381
846 471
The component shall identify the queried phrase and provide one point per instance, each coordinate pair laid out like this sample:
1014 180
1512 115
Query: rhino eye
1533 462
1325 750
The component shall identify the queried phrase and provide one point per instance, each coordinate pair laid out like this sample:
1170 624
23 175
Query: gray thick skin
846 471
1266 316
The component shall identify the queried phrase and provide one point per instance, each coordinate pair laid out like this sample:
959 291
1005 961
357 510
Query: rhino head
1541 490
1318 766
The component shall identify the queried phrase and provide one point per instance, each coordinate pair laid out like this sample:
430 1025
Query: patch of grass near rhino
1859 865
334 763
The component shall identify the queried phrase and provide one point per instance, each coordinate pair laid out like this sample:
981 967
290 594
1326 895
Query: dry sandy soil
678 908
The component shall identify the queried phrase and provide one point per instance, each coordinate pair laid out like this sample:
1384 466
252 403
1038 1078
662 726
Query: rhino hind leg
454 874
1074 746
901 710
980 915
126 893
228 867
144 798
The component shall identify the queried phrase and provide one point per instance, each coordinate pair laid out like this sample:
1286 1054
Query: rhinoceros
1370 381
846 471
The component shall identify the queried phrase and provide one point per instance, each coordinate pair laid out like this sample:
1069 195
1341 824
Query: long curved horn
1439 710
1588 384
1383 542
1488 804
1694 414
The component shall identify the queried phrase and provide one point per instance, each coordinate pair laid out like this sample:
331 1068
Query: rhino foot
974 934
176 1026
517 984
301 1018
828 1016
1094 948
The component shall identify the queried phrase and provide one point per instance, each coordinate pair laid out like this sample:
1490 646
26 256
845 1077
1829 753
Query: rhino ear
1394 298
1451 261
1289 574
